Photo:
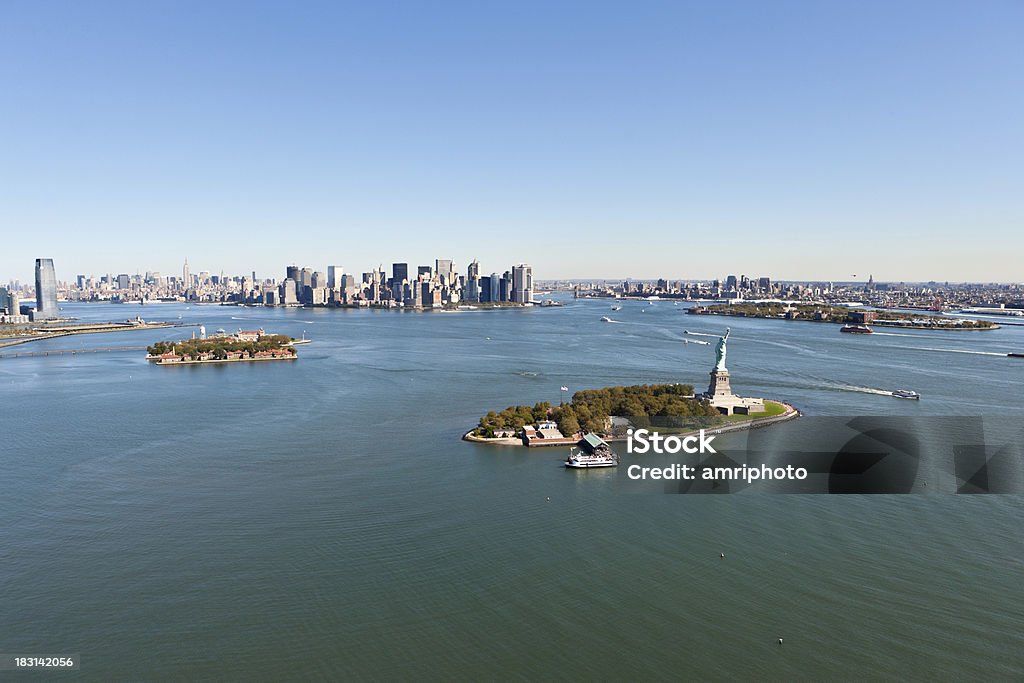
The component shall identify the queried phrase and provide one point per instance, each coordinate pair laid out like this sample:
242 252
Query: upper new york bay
322 518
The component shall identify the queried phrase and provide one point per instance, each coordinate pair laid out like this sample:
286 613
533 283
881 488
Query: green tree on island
221 347
591 409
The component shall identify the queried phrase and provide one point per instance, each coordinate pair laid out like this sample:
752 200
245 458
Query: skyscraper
334 274
186 276
286 294
494 287
46 290
5 302
9 304
473 282
505 287
522 283
399 272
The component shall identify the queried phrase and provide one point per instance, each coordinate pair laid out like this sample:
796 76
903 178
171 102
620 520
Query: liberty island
547 425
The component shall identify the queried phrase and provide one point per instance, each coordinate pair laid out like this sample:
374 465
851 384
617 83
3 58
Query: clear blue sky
791 139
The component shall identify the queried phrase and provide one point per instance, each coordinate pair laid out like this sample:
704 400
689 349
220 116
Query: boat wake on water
976 353
896 393
901 334
860 390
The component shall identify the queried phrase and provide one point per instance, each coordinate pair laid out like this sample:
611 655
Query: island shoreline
790 413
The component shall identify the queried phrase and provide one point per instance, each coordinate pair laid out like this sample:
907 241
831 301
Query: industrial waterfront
322 519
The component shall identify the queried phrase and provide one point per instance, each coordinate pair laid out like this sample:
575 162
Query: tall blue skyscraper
494 287
46 291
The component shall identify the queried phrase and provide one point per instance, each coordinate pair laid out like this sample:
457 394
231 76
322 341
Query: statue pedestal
727 403
719 384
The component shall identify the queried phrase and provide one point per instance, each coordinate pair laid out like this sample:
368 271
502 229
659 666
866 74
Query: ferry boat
857 329
578 460
906 393
592 452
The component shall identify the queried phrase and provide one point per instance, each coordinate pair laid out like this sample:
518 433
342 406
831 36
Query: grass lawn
771 409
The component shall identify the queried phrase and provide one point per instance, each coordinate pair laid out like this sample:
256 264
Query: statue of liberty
720 351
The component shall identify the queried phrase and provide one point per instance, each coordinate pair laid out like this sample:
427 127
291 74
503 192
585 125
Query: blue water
322 519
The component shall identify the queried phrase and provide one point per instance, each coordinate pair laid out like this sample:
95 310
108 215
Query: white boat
906 393
592 452
578 460
606 319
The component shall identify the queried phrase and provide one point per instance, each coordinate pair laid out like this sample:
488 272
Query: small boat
857 329
616 308
606 319
1015 355
578 460
906 393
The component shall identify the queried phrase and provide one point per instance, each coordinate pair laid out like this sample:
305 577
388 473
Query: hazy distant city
441 285
426 286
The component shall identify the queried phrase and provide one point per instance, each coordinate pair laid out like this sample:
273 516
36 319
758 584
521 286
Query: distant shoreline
873 323
87 328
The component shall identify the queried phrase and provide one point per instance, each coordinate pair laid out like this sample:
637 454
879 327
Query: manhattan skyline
591 140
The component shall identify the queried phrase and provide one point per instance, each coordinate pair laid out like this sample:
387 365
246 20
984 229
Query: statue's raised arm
720 352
